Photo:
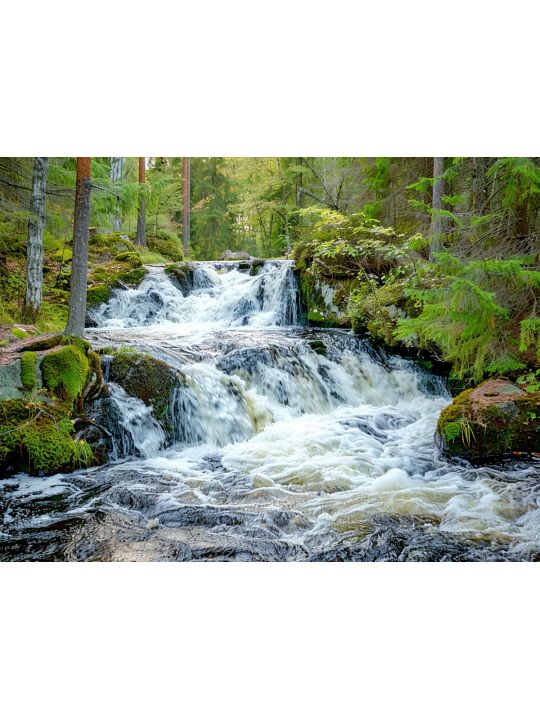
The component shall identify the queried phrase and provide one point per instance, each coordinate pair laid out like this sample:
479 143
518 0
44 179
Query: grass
151 258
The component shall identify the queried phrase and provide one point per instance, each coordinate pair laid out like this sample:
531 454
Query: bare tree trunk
186 204
437 204
34 250
140 238
116 171
79 265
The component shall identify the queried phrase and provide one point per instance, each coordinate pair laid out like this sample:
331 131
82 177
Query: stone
11 386
494 420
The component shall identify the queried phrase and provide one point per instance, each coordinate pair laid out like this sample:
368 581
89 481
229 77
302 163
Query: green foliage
19 333
468 310
28 370
338 244
65 372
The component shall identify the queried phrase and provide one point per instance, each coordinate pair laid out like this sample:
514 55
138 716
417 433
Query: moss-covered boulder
494 420
181 274
38 438
149 379
325 299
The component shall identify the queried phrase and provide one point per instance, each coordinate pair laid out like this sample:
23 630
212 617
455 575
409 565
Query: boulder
494 420
230 255
149 379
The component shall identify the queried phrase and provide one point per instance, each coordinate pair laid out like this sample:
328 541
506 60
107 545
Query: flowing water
288 443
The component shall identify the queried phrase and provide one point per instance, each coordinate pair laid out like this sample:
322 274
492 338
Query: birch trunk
140 238
34 252
186 205
115 175
437 204
79 265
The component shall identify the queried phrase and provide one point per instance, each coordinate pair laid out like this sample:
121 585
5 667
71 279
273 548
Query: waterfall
219 297
281 443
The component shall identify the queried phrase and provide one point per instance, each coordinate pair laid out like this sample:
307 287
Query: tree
79 265
116 170
437 206
186 206
34 250
140 238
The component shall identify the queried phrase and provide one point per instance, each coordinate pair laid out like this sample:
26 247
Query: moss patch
65 372
98 294
38 439
28 370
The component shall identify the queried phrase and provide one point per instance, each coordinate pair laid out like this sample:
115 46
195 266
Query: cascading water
287 443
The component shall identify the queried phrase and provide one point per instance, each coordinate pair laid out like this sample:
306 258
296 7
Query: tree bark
34 251
436 205
186 204
140 238
116 171
79 264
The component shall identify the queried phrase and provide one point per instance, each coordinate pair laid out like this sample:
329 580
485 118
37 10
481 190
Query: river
290 443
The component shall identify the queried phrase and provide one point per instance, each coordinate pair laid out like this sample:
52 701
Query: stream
290 444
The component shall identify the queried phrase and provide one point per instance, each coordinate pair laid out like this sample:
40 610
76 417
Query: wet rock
149 379
494 420
182 275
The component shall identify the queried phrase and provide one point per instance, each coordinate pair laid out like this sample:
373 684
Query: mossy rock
497 419
65 372
38 439
169 247
132 277
182 275
147 378
98 294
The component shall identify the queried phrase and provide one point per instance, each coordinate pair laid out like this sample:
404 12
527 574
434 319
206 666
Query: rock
230 255
11 386
494 420
149 379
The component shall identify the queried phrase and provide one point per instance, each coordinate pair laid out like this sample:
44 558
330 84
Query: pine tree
79 265
140 238
186 206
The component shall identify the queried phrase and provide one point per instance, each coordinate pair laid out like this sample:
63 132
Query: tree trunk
34 251
437 204
140 238
79 264
186 204
116 171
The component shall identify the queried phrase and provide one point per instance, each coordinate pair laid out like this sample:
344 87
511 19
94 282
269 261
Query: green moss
46 343
452 431
38 438
21 334
98 294
133 258
65 372
28 370
132 277
169 245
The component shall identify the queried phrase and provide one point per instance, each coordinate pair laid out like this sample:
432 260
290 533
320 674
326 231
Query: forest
111 268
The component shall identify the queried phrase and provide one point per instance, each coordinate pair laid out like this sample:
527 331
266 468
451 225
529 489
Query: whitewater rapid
290 443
